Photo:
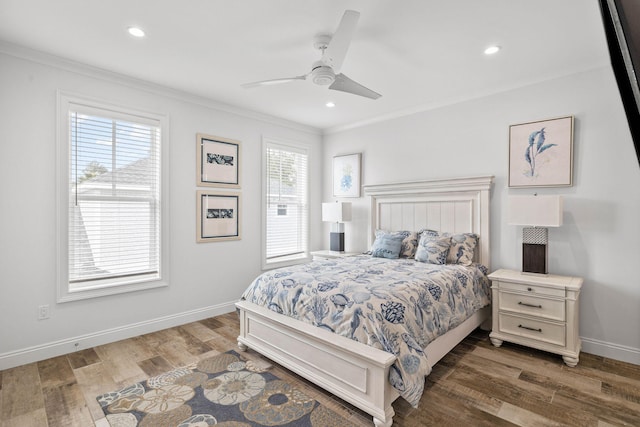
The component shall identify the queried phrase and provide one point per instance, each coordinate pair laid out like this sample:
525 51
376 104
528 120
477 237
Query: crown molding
480 93
44 58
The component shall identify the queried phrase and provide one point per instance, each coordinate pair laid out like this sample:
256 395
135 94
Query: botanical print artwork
213 228
219 159
346 182
219 213
534 149
217 216
540 153
346 175
219 165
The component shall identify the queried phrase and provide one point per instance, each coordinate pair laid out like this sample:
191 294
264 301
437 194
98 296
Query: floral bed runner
397 305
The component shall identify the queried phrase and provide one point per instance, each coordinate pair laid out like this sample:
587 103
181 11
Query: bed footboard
350 370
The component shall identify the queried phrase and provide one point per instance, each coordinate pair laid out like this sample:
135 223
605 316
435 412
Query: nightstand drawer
532 305
533 289
538 330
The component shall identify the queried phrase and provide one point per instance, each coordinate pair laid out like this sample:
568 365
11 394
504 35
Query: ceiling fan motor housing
322 74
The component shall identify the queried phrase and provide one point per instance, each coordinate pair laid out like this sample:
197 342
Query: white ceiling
418 54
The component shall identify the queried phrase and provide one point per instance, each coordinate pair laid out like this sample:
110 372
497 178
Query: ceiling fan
326 70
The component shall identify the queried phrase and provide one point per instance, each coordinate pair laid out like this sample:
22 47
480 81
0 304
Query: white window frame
67 102
296 147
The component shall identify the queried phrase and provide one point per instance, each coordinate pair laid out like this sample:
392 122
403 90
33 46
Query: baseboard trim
58 348
611 350
69 345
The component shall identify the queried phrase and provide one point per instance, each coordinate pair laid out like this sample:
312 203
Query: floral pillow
387 245
433 249
428 232
462 248
409 244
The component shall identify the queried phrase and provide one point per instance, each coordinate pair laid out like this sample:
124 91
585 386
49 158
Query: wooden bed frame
348 369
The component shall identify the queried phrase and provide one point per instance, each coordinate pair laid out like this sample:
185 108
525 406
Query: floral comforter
398 306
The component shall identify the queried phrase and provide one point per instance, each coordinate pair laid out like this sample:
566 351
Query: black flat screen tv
621 19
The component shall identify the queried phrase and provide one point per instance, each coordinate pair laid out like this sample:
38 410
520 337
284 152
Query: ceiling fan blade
337 49
345 84
273 81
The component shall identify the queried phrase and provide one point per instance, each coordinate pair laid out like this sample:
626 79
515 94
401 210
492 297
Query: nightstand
331 254
536 310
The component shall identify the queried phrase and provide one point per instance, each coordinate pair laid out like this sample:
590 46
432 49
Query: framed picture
346 175
218 161
217 216
541 153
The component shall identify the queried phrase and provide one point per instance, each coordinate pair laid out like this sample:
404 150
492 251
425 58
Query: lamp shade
536 211
336 212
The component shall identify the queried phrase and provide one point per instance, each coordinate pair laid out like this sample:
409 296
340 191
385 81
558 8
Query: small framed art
346 175
217 216
218 161
541 153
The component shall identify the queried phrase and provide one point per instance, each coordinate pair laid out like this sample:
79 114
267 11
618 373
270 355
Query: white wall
206 278
598 240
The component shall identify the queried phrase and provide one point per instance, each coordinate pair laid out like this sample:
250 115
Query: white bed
348 369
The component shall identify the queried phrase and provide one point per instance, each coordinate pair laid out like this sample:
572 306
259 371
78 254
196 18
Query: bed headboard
458 205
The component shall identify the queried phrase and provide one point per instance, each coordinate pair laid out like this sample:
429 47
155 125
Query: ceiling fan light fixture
322 75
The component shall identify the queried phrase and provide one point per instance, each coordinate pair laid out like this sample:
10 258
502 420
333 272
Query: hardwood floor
475 385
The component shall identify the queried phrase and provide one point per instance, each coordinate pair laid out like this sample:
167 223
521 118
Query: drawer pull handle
530 329
530 289
529 305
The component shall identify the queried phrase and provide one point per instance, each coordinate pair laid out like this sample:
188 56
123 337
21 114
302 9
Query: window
286 203
111 197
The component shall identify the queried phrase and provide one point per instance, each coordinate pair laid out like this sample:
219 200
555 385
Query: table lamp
337 213
536 213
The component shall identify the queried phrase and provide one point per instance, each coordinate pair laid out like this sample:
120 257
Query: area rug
223 390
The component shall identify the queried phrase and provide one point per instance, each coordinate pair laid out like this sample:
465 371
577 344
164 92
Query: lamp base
336 242
534 258
534 249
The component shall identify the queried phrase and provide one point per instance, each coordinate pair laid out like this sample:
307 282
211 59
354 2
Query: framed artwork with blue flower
346 175
541 153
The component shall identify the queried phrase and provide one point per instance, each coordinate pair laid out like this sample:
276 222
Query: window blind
114 199
287 210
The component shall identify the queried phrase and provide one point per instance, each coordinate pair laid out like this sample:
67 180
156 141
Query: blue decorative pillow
387 245
433 249
462 248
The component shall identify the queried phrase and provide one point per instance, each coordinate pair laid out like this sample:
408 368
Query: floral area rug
223 390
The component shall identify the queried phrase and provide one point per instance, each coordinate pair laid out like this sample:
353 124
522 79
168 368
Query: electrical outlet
43 312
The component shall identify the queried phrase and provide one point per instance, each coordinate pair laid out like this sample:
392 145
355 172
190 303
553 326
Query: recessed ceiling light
491 50
330 104
136 32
